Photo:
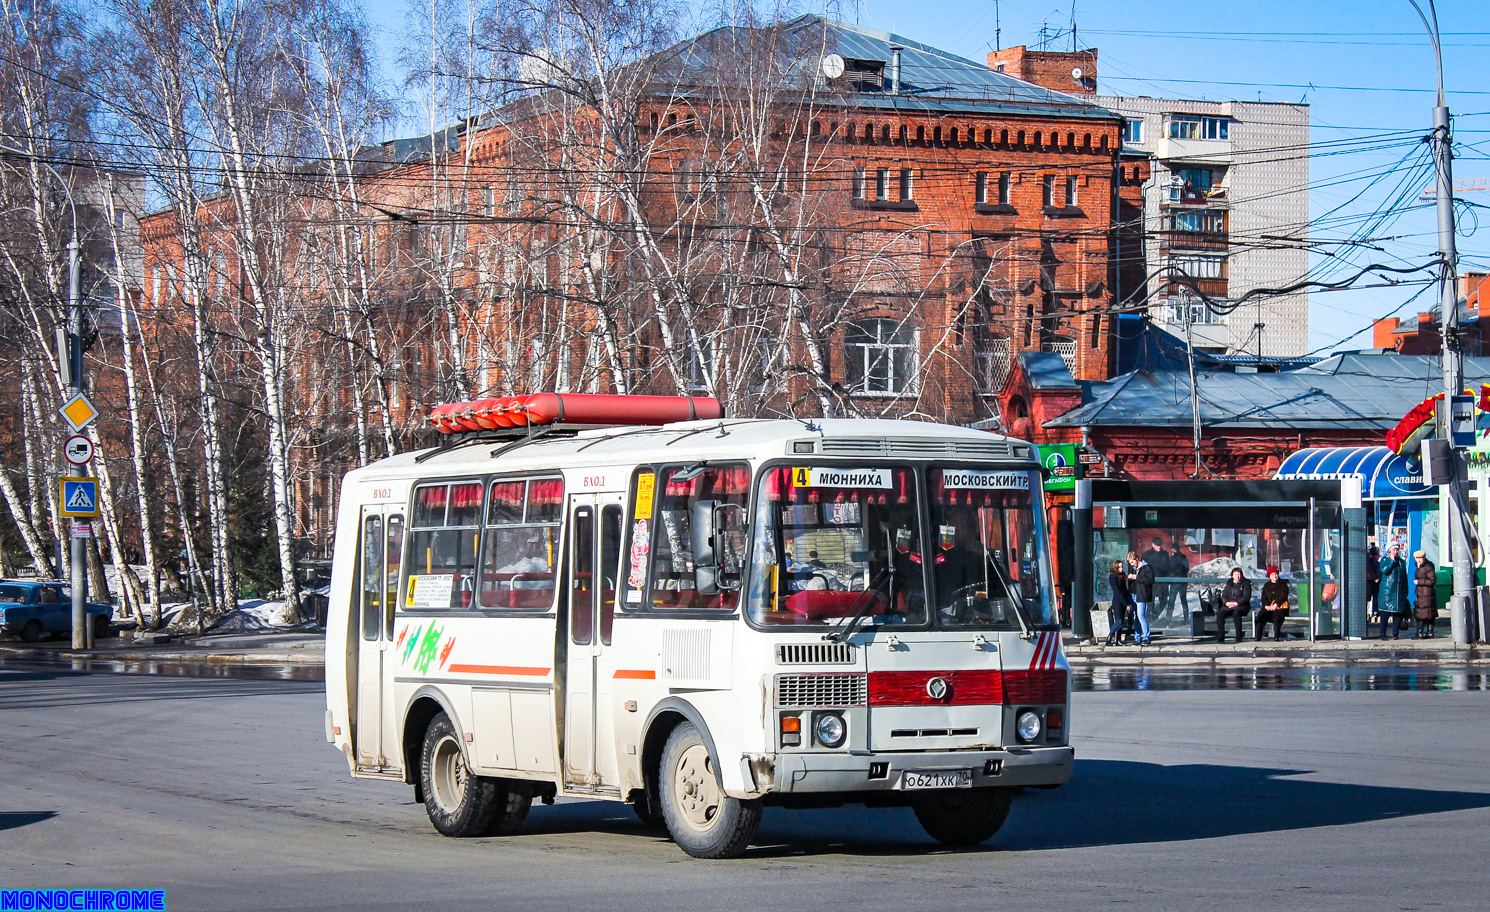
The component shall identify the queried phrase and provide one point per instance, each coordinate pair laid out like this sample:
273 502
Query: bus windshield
832 543
986 543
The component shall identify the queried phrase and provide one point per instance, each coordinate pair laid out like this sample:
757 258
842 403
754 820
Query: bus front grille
821 690
814 654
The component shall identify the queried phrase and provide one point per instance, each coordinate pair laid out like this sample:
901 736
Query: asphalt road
223 792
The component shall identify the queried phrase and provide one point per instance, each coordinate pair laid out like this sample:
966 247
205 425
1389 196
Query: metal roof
1047 371
1354 391
1384 475
931 80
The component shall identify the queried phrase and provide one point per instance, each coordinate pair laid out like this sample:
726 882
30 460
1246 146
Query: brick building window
1132 132
991 360
858 183
881 183
1070 191
880 357
907 186
1005 178
1047 191
980 187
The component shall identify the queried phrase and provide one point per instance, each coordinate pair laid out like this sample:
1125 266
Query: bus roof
740 438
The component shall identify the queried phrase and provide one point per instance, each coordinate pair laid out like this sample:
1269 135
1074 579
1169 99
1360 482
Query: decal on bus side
641 536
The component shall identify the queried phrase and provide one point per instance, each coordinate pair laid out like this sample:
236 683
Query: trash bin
1197 623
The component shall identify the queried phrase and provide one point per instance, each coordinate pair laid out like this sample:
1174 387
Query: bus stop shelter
1314 531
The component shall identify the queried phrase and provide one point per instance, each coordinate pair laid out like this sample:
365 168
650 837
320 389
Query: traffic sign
78 411
78 450
79 497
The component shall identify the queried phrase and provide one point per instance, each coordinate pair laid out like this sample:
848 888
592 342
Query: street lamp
72 364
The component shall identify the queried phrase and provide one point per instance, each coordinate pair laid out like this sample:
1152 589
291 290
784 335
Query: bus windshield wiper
861 609
1021 606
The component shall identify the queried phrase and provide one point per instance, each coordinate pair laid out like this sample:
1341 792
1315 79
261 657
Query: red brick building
1422 335
887 236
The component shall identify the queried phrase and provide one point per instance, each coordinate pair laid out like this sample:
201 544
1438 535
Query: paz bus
633 598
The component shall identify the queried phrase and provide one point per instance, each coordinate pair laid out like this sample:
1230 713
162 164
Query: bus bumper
816 773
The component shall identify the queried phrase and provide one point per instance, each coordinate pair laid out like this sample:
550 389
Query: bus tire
963 817
702 819
512 806
459 803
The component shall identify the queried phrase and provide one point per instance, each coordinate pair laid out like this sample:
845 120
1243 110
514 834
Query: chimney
1072 72
895 69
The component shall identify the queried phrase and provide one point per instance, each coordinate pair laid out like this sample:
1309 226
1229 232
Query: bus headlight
1027 725
829 729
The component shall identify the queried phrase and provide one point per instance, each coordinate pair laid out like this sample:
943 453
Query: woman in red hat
1274 605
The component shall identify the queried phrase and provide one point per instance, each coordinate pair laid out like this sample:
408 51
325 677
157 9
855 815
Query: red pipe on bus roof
571 408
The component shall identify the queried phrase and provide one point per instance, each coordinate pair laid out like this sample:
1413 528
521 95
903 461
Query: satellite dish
1077 74
832 66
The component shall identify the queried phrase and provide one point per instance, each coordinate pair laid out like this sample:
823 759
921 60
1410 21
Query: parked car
29 609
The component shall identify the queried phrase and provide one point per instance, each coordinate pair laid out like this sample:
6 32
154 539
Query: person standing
1158 560
1141 587
1274 605
1373 579
1236 602
1122 604
1391 593
1179 566
1425 605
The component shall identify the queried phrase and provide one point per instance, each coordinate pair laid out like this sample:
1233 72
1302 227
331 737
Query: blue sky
1369 63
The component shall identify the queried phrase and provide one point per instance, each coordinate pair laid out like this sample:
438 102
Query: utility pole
71 363
82 631
1187 313
1453 365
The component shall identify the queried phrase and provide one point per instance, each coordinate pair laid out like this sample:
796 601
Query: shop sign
1061 466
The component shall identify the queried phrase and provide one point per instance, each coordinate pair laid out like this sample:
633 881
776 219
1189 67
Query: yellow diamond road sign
79 412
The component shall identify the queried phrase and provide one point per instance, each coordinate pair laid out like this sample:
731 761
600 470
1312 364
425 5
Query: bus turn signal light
791 731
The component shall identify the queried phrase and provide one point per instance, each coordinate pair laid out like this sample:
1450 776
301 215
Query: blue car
31 609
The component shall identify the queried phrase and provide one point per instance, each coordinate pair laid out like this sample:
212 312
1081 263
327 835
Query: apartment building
1227 207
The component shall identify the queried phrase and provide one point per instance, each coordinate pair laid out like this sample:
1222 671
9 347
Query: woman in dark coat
1122 603
1426 604
1274 605
1236 603
1391 595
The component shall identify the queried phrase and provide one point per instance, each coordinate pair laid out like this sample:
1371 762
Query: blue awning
1384 475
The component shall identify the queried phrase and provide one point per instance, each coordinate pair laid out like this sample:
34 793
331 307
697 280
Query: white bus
700 619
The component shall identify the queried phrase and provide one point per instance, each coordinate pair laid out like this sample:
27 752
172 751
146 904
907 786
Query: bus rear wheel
702 819
963 817
460 803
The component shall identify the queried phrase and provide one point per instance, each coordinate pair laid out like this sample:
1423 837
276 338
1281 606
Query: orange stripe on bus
499 670
641 674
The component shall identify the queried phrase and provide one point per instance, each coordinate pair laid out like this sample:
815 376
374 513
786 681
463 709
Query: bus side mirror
718 545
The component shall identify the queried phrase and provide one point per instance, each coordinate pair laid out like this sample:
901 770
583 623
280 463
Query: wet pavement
1313 678
1434 677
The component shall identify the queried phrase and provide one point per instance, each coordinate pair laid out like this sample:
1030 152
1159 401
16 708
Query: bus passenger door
594 561
380 553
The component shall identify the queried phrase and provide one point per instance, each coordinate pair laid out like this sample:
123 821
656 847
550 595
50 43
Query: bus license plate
936 779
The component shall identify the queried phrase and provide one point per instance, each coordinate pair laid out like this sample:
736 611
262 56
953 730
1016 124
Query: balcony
1188 197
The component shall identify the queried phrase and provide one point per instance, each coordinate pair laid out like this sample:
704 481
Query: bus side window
638 539
582 575
394 563
674 584
372 576
610 565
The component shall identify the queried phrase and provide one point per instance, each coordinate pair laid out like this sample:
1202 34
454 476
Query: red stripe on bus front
639 674
520 670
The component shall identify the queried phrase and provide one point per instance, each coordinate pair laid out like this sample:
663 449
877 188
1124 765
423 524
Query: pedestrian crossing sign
79 497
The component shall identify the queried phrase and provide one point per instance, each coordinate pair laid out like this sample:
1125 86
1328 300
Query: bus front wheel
702 819
460 803
963 817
